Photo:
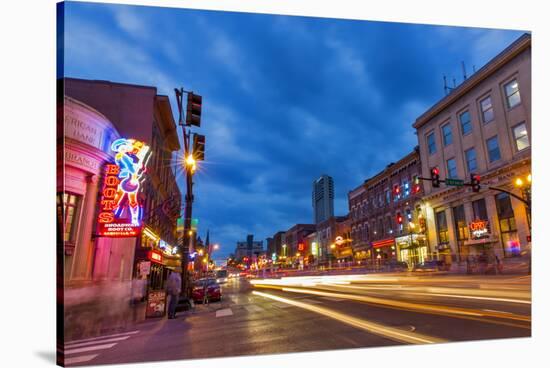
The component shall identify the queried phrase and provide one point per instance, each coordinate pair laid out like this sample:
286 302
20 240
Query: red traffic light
435 171
399 218
396 189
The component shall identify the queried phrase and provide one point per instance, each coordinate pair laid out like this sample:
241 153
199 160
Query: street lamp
190 163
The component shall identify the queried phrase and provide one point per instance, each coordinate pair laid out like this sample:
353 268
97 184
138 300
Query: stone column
495 226
83 255
520 214
469 217
452 233
432 231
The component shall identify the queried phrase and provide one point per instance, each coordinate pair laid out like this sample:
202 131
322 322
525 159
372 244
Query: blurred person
173 289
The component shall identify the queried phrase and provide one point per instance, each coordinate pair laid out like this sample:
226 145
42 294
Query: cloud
91 50
129 21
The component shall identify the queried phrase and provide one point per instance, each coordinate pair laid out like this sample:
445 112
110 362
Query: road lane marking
372 327
97 342
80 359
253 308
102 337
224 312
89 348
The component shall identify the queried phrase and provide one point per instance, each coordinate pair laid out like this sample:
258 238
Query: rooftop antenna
464 71
445 84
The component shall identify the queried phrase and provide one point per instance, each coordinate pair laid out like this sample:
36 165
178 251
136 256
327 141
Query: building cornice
517 47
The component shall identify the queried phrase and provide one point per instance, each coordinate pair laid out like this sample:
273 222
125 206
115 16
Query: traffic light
475 182
416 182
434 176
194 108
198 147
396 190
399 218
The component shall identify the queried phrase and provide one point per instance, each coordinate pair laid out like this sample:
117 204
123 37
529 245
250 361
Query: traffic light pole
188 209
192 117
528 203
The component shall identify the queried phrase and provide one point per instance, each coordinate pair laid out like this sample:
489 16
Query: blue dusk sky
285 99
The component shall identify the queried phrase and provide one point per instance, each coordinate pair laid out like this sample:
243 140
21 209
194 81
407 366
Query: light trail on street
372 327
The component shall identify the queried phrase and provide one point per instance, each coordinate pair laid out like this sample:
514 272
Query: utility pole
194 103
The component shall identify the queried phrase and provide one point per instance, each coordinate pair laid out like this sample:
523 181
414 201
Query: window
431 143
447 134
460 222
442 230
487 110
492 149
67 208
520 136
388 196
480 210
512 93
507 223
389 225
451 168
465 122
471 162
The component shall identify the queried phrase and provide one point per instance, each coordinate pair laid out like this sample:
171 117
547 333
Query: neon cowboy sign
120 211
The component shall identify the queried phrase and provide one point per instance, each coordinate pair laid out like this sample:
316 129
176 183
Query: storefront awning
383 243
490 239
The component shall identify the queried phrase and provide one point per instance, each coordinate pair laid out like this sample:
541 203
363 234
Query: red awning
383 243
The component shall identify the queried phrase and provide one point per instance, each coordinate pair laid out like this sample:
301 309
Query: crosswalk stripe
80 359
89 348
102 337
224 312
98 342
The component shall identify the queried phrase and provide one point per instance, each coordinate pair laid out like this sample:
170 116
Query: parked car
397 265
210 286
433 265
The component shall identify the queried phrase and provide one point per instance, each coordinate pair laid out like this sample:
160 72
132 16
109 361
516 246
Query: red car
213 290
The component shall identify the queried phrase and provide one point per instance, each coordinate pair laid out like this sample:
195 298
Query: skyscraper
323 198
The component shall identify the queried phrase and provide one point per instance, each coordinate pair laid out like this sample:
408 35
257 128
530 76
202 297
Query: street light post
190 167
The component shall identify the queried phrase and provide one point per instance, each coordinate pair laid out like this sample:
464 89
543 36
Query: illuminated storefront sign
479 229
314 248
155 256
120 211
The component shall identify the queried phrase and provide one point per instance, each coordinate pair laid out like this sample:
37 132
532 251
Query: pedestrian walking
173 289
499 264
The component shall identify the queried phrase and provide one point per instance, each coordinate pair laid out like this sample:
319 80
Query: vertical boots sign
120 211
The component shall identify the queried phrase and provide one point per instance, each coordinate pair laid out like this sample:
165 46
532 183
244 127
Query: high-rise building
250 248
322 198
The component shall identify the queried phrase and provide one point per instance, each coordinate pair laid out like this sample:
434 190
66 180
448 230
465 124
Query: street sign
454 182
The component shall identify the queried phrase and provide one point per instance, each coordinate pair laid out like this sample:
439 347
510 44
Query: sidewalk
510 266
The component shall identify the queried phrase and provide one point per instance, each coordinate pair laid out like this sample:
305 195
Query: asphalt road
324 313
